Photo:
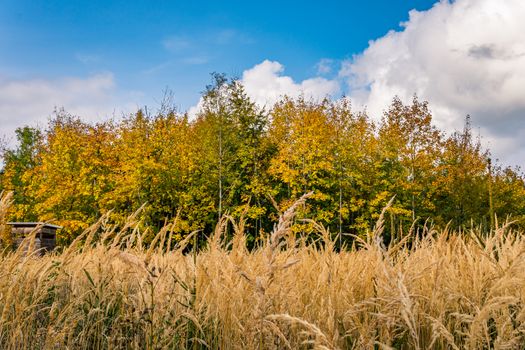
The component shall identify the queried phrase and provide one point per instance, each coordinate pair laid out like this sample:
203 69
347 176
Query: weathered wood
45 235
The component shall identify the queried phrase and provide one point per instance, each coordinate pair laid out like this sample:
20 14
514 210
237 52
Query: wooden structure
45 234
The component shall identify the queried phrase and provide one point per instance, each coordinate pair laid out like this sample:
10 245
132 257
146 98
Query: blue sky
105 58
150 45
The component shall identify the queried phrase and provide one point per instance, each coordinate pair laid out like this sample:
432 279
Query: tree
234 158
461 189
231 131
18 174
411 148
73 173
509 194
356 160
305 156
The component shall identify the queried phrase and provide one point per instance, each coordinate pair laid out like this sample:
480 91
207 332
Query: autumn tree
19 172
508 187
411 148
73 174
305 156
236 158
462 188
233 152
357 158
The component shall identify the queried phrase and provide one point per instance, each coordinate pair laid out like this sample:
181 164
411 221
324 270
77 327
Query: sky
99 59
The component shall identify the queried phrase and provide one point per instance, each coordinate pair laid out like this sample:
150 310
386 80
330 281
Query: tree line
239 159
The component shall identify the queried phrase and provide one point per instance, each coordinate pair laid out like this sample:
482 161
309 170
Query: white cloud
464 57
31 102
265 84
324 66
194 110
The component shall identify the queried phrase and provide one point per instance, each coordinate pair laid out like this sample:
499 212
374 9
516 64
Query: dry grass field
443 290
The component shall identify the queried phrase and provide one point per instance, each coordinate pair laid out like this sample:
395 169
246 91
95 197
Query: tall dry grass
6 200
441 290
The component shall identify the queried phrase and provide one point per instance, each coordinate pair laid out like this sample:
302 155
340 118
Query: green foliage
18 174
238 159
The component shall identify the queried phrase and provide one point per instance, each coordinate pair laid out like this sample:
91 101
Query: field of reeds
437 290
